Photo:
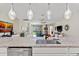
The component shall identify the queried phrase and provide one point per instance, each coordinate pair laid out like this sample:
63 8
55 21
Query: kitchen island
11 44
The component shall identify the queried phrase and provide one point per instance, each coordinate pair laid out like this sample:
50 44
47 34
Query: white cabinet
49 51
74 50
3 51
40 51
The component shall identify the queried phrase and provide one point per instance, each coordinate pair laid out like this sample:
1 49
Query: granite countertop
57 45
46 46
26 42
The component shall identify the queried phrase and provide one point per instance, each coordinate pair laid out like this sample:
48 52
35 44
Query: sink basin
47 42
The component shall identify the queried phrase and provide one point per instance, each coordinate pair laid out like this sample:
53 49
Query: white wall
18 26
72 36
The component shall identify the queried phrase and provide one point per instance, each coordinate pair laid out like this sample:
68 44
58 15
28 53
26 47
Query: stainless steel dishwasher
19 51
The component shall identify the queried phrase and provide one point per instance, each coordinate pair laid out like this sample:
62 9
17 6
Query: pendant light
48 12
43 19
67 14
12 14
30 12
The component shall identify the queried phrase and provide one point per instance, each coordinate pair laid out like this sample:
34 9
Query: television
59 28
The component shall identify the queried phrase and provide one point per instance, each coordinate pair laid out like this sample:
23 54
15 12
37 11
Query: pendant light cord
30 6
67 6
12 6
48 6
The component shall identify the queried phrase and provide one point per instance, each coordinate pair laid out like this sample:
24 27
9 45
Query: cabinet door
74 50
3 51
49 50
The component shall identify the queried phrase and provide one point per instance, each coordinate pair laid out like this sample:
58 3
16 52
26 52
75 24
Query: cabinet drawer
74 50
50 50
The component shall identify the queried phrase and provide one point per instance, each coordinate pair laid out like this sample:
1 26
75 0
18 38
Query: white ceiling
57 10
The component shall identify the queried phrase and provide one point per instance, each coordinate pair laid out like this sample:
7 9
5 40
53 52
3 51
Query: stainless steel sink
47 42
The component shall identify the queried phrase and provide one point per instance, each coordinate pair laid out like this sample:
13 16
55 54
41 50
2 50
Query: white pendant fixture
48 12
30 13
67 14
12 14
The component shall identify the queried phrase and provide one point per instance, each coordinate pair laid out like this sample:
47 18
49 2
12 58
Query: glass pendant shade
30 14
12 14
48 14
67 13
